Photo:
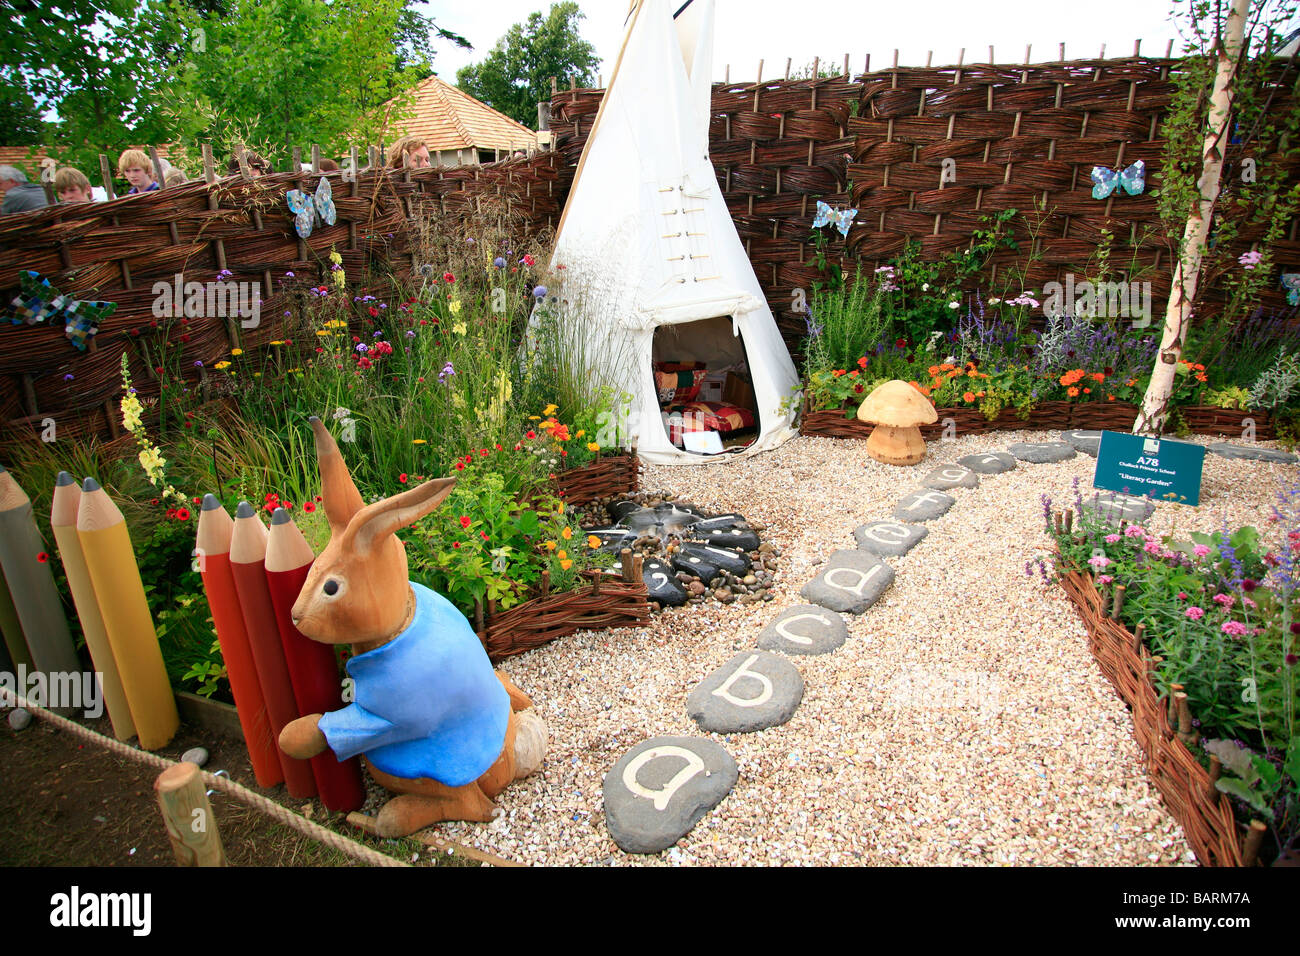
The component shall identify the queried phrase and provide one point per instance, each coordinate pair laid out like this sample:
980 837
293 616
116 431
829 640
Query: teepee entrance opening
705 386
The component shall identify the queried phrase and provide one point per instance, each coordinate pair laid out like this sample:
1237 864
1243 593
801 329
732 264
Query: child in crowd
257 166
134 166
174 177
72 186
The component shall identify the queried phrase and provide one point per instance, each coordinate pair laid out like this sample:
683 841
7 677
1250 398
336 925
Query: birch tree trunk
1154 414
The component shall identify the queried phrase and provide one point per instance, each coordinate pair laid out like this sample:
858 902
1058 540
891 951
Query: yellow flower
565 564
324 333
236 351
550 545
459 328
336 324
454 306
580 433
277 343
131 409
419 441
220 365
340 278
561 554
593 446
593 542
335 257
566 534
550 409
534 418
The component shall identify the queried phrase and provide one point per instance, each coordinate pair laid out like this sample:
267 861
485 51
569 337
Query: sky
750 30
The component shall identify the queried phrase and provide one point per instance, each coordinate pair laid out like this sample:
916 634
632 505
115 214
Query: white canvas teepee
647 233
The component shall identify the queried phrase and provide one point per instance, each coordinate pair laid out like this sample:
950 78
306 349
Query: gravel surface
963 722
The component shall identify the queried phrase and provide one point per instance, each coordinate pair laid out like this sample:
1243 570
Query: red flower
374 313
455 544
272 497
484 535
402 477
483 452
42 557
308 507
185 337
530 434
448 278
287 505
198 500
465 521
183 514
901 343
460 466
153 501
271 505
862 362
319 498
171 512
499 448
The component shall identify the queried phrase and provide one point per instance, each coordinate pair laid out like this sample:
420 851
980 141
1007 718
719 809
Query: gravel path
964 721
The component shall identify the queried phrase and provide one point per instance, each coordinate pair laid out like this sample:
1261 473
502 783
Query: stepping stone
1253 452
613 540
950 476
1087 441
706 570
732 520
988 462
892 538
724 558
661 584
752 691
1113 507
850 582
1042 452
924 505
804 629
736 539
662 787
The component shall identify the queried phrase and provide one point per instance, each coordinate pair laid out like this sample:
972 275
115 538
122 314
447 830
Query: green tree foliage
516 75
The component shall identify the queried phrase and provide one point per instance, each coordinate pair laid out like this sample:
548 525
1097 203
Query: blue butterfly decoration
1291 282
841 220
38 302
1133 179
308 209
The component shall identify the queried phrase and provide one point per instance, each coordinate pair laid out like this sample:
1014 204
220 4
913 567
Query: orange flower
933 370
1087 391
968 397
980 394
853 374
1200 377
1110 398
862 362
837 373
1072 391
1098 377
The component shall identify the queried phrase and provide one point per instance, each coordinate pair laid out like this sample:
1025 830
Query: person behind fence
409 152
328 166
134 166
257 166
72 186
174 177
19 194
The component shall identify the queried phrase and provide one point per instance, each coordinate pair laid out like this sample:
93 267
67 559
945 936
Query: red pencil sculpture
312 667
248 564
215 530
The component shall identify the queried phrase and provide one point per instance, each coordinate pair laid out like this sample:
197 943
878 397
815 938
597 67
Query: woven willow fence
116 251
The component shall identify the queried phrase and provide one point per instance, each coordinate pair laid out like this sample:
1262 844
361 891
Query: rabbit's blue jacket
427 703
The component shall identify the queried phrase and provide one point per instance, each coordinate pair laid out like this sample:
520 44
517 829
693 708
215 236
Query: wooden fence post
191 825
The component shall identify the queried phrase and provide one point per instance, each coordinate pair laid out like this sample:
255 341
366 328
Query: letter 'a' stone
752 691
850 582
662 787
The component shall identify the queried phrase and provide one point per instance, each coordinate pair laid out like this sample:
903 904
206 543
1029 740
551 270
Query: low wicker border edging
602 478
1189 793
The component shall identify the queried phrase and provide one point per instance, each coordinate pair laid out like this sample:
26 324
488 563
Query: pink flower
1135 531
1227 600
1099 562
1152 547
1250 259
1112 539
1235 628
1249 603
1182 595
1200 550
1195 613
1104 579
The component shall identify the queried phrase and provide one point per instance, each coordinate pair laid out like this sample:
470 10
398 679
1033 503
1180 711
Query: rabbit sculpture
433 720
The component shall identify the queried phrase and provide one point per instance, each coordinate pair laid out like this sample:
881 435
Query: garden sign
1163 468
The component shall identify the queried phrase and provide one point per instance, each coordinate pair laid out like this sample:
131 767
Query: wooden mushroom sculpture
897 409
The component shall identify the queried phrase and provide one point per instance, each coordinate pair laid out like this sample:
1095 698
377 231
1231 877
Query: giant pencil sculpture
63 521
106 544
31 585
312 668
213 546
15 647
248 564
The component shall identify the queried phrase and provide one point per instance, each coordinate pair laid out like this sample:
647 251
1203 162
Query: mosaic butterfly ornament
309 210
38 302
1291 282
840 219
1133 180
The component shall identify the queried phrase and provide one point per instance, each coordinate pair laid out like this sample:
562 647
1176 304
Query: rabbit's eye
331 587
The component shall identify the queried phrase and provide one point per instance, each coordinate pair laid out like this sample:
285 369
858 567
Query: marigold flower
592 446
550 410
550 545
593 542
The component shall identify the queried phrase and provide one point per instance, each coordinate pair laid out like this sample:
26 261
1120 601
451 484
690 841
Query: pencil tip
89 485
64 479
245 510
210 502
279 516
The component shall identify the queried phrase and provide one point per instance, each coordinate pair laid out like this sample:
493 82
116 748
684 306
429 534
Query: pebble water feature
656 793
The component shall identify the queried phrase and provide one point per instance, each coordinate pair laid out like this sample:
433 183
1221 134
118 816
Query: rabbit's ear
342 500
375 522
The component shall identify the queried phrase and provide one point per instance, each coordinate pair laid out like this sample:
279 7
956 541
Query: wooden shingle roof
446 118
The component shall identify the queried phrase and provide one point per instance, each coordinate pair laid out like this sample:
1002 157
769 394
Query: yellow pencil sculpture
110 559
31 584
63 521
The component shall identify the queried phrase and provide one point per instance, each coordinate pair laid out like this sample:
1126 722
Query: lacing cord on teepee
353 849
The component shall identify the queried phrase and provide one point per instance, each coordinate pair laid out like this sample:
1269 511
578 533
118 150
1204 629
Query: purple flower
447 372
289 275
540 292
499 262
410 333
69 377
362 347
198 364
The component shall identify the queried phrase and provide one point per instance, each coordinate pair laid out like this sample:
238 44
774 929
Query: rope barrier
362 854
